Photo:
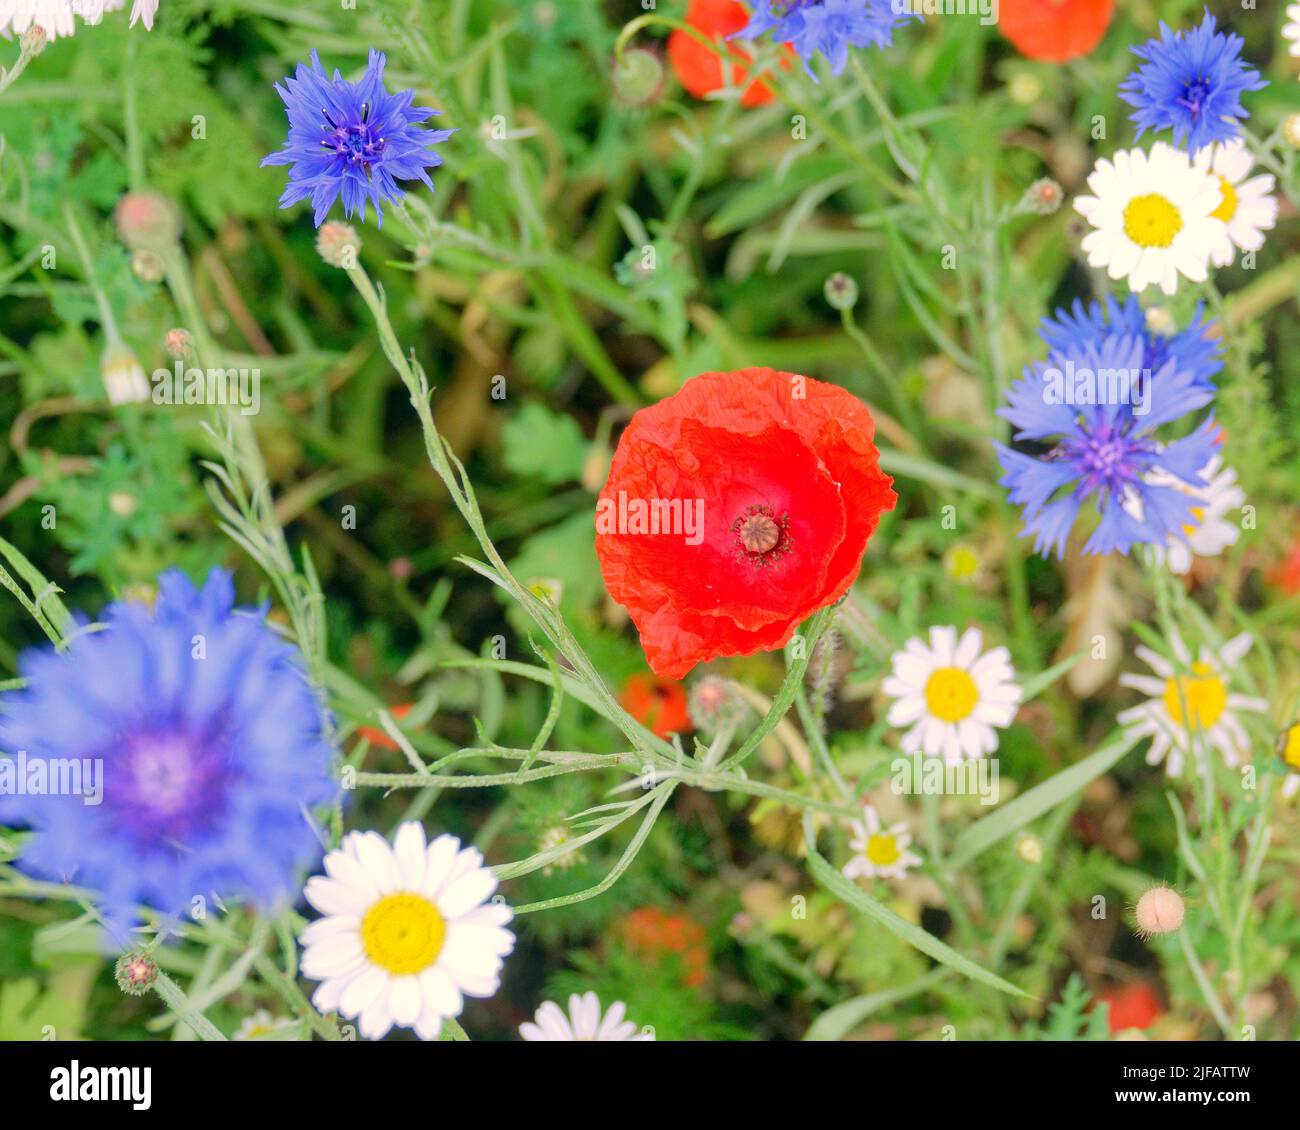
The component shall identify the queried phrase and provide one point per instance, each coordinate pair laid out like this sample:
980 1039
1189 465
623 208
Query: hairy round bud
179 343
1160 911
147 221
338 244
713 702
841 291
32 42
637 76
1043 197
135 973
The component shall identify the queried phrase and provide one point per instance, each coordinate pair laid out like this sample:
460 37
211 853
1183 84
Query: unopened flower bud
637 76
135 973
124 377
122 503
147 221
1043 197
147 266
1291 130
1160 320
338 244
1030 849
179 343
713 703
1160 911
32 42
841 291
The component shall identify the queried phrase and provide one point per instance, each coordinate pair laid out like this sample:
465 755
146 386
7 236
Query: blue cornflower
1191 83
211 749
828 27
1104 451
1192 349
352 139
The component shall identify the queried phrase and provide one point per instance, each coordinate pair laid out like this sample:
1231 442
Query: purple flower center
1108 459
356 142
1194 96
168 786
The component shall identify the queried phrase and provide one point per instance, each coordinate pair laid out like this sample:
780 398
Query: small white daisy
583 1022
951 695
408 931
1291 29
54 17
879 852
262 1025
1248 208
1210 531
1154 215
1192 701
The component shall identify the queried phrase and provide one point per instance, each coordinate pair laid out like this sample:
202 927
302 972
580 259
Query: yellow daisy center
962 563
882 849
951 694
1228 208
403 933
1152 221
1198 516
1291 753
1204 694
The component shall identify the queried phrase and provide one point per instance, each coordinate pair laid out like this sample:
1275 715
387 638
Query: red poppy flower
1287 574
734 510
698 68
380 737
654 932
1132 1006
657 703
1055 30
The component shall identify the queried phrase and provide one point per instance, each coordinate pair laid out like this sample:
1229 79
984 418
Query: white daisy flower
1154 215
951 695
1248 208
583 1022
1291 29
262 1025
55 17
408 931
1190 703
1289 747
879 852
1210 531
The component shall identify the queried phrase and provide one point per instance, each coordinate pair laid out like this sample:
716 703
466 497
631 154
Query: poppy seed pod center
761 536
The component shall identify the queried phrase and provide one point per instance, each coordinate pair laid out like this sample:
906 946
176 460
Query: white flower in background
1154 215
879 852
1289 747
408 931
124 377
1191 705
53 16
583 1022
1210 532
58 17
951 695
1291 29
1248 208
263 1026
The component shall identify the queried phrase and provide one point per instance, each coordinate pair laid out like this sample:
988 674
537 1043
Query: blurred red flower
1287 574
734 510
698 68
380 738
655 932
657 703
1132 1006
1055 30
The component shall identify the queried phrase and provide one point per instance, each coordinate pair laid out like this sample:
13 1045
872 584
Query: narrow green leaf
852 895
1027 807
